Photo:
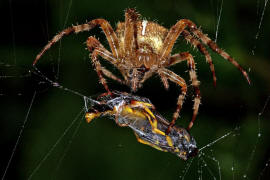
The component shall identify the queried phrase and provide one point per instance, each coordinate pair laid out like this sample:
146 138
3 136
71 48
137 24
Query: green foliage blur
102 150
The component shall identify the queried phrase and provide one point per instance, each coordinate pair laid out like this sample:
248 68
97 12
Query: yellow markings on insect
128 110
90 116
149 112
159 132
169 141
176 150
154 124
148 143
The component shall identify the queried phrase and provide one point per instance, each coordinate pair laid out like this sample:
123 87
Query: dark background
102 150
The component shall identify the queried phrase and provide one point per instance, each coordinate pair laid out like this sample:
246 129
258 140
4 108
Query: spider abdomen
148 34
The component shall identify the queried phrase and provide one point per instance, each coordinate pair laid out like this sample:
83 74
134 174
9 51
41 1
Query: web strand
260 24
37 167
60 42
215 141
259 133
218 20
57 85
19 136
67 148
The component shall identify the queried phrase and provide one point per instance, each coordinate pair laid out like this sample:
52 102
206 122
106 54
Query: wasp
149 127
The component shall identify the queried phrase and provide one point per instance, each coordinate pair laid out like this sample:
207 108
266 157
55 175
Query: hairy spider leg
148 74
98 68
105 26
130 36
197 44
93 44
164 80
172 36
181 82
206 40
177 58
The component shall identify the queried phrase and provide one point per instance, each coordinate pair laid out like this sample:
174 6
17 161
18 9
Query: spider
149 127
141 48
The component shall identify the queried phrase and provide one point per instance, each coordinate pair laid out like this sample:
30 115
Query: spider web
49 141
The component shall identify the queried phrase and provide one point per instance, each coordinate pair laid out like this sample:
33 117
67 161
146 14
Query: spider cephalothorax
140 48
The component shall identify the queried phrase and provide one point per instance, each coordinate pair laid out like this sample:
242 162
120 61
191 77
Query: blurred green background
102 150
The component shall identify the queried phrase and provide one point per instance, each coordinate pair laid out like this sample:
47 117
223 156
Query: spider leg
194 81
147 75
197 44
181 82
206 40
105 26
98 68
93 44
164 80
130 36
172 35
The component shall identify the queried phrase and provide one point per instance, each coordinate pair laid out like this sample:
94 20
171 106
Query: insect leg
89 116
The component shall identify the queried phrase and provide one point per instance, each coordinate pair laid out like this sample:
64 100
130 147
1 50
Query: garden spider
140 49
